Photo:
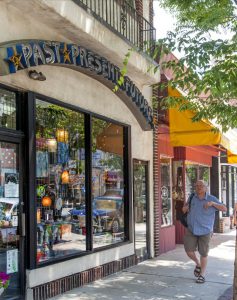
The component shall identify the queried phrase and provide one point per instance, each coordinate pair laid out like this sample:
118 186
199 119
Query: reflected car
107 214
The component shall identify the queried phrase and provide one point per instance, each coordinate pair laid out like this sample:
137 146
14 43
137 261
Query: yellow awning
185 132
231 158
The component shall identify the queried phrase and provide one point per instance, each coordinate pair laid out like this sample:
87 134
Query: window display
107 183
60 181
165 166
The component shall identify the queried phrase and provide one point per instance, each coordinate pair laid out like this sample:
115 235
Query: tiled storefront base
60 286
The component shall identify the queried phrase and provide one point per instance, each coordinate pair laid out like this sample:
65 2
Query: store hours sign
25 54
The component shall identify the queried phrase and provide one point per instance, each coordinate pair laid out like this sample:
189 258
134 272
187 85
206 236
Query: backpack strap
190 199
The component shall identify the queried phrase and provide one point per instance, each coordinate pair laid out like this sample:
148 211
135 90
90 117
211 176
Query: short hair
203 182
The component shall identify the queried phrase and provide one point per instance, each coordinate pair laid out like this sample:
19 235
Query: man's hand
208 204
185 208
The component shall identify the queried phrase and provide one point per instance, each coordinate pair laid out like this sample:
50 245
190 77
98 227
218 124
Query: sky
163 21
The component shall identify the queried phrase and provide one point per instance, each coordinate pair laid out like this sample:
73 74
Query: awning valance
231 158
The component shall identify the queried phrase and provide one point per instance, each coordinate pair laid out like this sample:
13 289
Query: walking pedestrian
200 219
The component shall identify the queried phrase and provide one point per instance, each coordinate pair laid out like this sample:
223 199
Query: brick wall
62 285
156 178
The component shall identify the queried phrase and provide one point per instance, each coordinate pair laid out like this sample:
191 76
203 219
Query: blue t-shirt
201 220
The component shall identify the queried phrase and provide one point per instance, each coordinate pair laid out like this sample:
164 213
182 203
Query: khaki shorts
194 243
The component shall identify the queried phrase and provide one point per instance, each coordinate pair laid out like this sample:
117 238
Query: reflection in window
204 174
107 183
194 173
191 178
166 192
140 204
7 109
60 180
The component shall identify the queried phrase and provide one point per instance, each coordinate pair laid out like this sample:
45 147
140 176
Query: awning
185 132
231 158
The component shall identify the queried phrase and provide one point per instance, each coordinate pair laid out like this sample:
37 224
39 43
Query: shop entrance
140 196
11 218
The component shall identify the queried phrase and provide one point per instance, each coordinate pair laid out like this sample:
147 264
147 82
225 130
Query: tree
207 69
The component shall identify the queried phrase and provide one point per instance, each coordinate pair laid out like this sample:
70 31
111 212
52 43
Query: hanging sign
26 54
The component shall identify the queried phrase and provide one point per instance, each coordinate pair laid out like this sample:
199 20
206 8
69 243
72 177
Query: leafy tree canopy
206 37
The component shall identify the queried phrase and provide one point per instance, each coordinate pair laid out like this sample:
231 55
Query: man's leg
203 260
203 249
190 246
192 255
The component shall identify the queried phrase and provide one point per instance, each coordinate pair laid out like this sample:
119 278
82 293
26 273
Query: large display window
79 208
60 181
107 183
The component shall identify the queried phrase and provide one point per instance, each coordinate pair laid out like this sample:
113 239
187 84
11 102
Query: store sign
26 54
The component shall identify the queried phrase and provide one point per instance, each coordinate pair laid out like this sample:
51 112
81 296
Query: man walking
200 219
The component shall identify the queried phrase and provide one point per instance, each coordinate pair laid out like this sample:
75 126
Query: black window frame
17 136
31 156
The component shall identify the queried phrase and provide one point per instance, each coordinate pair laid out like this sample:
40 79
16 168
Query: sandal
197 271
201 279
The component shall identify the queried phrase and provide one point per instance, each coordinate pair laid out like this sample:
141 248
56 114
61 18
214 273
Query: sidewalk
169 276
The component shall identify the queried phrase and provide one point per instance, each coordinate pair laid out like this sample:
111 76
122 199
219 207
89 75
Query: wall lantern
52 145
46 201
62 135
65 177
33 74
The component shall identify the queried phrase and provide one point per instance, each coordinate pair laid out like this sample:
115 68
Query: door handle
23 224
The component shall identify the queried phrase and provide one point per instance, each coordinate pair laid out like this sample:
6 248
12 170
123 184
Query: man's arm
219 206
185 208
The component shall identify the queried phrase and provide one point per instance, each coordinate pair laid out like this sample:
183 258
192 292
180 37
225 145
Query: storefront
228 196
67 146
189 165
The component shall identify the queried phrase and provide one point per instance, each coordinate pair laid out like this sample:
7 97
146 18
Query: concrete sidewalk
169 276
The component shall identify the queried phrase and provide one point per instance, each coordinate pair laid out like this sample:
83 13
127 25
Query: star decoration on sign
16 60
66 54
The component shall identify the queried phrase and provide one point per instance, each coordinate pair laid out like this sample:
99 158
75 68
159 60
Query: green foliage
123 72
207 70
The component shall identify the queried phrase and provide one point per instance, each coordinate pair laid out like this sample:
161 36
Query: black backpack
183 218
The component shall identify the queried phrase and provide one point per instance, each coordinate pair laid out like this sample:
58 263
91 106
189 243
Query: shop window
204 174
194 173
7 109
60 181
191 179
166 192
107 183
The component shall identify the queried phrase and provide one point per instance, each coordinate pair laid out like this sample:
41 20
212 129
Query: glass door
140 196
10 218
